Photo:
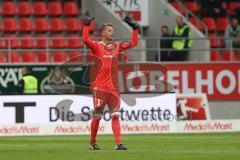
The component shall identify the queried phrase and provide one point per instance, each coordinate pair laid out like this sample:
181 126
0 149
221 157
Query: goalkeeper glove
131 22
87 18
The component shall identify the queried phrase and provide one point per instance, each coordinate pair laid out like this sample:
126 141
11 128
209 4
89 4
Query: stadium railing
217 46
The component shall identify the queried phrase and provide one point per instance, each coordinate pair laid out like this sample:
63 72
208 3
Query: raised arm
86 39
130 44
134 42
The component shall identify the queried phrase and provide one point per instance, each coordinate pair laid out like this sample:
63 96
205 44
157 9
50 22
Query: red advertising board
218 81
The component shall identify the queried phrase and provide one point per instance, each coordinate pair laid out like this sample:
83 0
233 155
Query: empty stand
9 8
40 8
24 8
28 57
71 9
59 57
55 8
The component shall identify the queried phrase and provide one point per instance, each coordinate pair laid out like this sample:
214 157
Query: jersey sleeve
127 44
86 38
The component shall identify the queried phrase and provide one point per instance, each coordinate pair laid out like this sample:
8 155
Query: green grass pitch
214 146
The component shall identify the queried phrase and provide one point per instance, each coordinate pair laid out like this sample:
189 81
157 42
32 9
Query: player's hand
87 18
131 22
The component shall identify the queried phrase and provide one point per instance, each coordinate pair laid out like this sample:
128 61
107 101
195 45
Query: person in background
212 8
165 44
181 40
232 34
28 84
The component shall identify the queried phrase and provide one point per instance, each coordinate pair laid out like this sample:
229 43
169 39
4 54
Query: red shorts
104 96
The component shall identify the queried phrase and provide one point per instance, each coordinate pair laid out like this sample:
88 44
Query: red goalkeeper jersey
106 59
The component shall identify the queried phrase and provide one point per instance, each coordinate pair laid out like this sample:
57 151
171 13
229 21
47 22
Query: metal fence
153 49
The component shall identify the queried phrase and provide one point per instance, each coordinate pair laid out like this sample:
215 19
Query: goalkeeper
105 86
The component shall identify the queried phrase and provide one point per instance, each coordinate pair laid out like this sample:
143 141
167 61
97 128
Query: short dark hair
104 26
164 26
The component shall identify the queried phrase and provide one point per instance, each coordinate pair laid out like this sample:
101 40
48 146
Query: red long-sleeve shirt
106 60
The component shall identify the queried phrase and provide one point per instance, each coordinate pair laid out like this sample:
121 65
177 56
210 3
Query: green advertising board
52 79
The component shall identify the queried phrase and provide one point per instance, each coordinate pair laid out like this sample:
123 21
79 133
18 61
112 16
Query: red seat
196 23
9 8
24 8
41 24
58 41
55 8
56 24
14 57
210 23
41 40
192 6
233 6
1 57
12 40
28 57
238 55
59 57
40 8
75 57
222 24
71 8
74 41
42 57
215 56
178 7
27 41
229 55
73 24
9 24
214 40
3 44
25 24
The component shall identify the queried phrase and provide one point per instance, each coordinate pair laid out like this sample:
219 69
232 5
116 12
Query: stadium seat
210 23
27 41
73 25
229 55
74 41
232 7
57 41
25 24
12 41
24 8
196 23
222 24
215 56
192 6
42 57
75 57
56 24
3 44
41 24
9 25
71 8
55 8
178 7
9 8
40 8
28 57
41 40
14 57
59 57
214 40
1 58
